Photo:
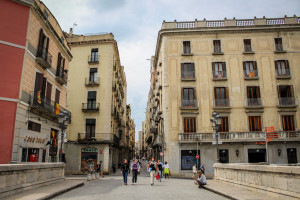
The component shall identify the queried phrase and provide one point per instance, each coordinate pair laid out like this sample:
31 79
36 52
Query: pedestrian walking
125 170
135 168
114 167
166 170
195 173
152 169
99 169
160 169
202 168
201 179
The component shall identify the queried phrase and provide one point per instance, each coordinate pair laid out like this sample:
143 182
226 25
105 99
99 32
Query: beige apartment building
97 100
130 131
247 71
37 134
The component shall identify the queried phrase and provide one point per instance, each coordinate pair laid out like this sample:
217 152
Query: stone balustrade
231 23
16 178
274 180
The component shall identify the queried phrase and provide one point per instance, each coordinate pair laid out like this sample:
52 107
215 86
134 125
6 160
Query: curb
50 196
220 193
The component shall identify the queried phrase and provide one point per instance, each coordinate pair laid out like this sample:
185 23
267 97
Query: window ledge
283 77
188 79
248 52
279 51
187 54
189 108
218 53
220 79
251 78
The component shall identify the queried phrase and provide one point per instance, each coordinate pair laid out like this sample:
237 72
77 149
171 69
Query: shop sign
34 139
89 150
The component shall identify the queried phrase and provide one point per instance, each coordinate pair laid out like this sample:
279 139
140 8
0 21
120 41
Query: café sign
34 139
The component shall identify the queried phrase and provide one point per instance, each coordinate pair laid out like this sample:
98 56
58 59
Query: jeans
160 174
166 175
152 176
134 176
125 174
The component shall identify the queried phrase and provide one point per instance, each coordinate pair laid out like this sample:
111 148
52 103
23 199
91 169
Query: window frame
255 128
189 121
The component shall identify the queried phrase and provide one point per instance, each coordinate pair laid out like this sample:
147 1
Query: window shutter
40 47
224 66
254 65
38 82
291 91
182 70
213 66
226 93
193 67
58 64
57 96
258 92
49 91
47 47
92 95
43 92
275 64
278 91
244 66
287 64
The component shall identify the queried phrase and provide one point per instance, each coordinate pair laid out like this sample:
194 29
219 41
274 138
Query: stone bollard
89 176
97 176
93 176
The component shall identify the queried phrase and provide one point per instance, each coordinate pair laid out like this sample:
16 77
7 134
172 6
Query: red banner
271 133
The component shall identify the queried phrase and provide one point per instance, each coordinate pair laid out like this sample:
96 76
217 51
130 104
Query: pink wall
13 29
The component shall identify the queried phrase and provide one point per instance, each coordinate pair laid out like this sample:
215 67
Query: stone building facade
97 98
246 70
34 76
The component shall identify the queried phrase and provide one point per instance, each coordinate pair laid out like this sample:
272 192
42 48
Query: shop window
188 159
30 155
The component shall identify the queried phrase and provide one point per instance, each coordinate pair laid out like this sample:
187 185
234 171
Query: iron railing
187 50
251 74
221 103
95 137
90 106
283 73
248 48
45 56
219 74
254 102
93 58
189 104
288 101
217 49
92 81
188 75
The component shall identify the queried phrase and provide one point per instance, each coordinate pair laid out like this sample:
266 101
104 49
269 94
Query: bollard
89 177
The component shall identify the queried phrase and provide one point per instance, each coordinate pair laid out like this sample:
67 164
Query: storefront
88 154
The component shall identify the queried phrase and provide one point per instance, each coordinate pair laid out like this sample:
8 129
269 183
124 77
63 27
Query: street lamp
215 124
63 121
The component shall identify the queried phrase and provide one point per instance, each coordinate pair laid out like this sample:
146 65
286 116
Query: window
91 101
187 70
39 89
30 155
188 159
278 44
94 55
217 46
43 47
34 126
188 98
288 123
189 125
46 15
93 75
221 96
57 96
253 96
282 68
254 123
48 93
247 45
286 95
187 47
60 66
90 125
250 69
224 125
219 70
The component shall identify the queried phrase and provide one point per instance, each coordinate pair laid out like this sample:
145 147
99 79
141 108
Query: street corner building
101 119
247 70
35 59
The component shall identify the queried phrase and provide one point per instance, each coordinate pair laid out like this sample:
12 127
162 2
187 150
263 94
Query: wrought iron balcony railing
186 51
251 74
91 107
283 73
254 102
93 59
44 58
248 48
92 81
287 102
219 75
221 103
188 75
95 137
189 104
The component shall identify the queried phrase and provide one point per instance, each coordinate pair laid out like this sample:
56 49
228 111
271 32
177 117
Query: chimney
71 31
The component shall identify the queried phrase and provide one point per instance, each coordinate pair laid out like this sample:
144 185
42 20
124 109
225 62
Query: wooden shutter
38 82
226 93
287 64
58 64
43 92
47 46
40 46
49 91
213 67
258 91
182 70
92 95
223 66
57 96
193 70
291 91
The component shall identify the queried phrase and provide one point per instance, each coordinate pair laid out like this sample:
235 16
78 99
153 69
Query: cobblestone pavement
111 187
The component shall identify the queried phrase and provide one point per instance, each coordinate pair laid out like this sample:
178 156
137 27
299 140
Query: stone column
106 159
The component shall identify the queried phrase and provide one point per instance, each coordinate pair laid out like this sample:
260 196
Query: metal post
267 155
218 156
197 159
61 143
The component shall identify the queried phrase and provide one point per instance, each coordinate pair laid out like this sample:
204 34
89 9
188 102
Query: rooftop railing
231 22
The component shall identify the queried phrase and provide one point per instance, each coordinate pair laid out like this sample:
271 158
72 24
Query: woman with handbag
151 168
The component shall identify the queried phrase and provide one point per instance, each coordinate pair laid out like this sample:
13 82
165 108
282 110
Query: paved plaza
111 187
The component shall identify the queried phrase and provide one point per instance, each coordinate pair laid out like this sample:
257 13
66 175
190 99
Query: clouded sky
135 25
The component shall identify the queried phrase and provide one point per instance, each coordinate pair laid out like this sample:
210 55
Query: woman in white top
195 173
166 170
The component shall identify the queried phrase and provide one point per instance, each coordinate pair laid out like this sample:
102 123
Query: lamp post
215 124
63 120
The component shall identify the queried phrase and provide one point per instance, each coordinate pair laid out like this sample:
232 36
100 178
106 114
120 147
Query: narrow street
111 187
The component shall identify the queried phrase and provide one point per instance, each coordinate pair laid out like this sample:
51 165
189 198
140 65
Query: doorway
292 155
223 156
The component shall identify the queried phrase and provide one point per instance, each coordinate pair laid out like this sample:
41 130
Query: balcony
254 103
44 58
279 48
93 59
90 107
283 74
45 107
186 51
217 51
248 49
95 138
221 103
251 75
189 104
188 76
92 81
61 77
237 137
287 102
219 75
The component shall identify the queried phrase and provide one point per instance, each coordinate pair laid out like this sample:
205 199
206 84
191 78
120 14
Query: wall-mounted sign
34 139
90 150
